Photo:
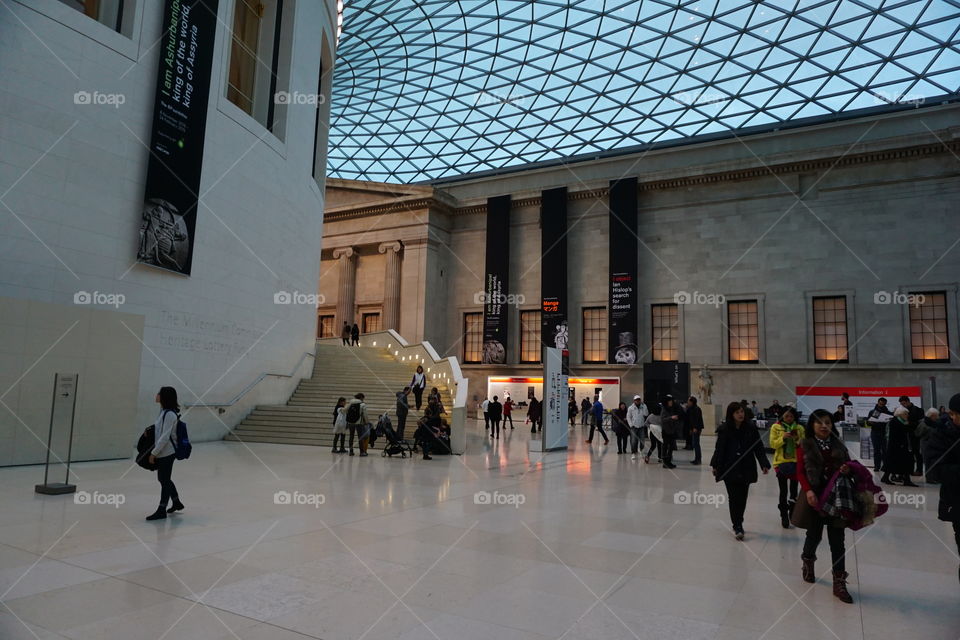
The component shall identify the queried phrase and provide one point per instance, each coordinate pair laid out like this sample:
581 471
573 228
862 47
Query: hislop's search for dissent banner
171 197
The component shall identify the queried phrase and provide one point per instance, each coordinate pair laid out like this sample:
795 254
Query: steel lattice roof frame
599 104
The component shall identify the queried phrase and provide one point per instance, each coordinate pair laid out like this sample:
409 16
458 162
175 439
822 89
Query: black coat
942 460
738 453
898 459
695 418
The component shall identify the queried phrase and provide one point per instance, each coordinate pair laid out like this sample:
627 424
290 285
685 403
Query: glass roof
430 89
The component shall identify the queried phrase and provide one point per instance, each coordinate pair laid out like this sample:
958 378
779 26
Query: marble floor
285 542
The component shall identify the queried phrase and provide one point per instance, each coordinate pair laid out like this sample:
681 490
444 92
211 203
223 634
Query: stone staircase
338 371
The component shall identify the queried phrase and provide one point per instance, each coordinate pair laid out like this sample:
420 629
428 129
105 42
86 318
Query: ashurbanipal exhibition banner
496 281
553 270
171 196
623 271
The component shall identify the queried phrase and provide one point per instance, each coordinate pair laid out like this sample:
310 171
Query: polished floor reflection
284 542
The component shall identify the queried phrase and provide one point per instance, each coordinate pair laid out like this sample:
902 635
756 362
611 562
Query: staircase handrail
249 387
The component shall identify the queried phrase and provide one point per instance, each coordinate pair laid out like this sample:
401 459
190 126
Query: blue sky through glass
439 88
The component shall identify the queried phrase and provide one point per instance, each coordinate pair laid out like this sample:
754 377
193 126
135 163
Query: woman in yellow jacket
784 438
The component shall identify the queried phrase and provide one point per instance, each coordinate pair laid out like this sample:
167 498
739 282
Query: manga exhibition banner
496 281
553 269
623 272
169 213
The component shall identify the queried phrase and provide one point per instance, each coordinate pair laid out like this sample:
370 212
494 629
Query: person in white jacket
163 453
636 418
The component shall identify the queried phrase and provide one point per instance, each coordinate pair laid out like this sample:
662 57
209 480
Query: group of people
350 335
664 423
899 437
496 412
821 487
431 432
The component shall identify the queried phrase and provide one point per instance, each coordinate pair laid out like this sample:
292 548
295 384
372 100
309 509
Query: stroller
394 444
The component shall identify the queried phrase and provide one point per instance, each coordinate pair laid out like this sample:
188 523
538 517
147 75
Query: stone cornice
707 177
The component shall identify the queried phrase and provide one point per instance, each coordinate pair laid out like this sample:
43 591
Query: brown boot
840 587
809 575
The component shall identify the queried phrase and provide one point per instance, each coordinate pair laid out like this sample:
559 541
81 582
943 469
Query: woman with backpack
339 425
356 413
164 453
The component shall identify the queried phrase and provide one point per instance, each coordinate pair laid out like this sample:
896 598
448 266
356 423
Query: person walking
345 334
495 409
355 335
485 408
738 452
654 426
672 420
820 455
339 425
942 458
358 423
597 423
418 384
620 427
695 423
637 414
877 422
535 415
163 453
507 412
585 406
403 408
572 412
898 460
914 418
785 435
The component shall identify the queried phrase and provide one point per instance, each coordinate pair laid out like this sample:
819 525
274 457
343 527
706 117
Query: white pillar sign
554 401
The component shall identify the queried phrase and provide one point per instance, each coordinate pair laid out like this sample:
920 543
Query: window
665 334
325 327
928 327
530 337
370 322
743 331
830 329
594 335
106 12
472 337
254 58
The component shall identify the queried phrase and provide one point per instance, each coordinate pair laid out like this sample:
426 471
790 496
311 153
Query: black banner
553 271
496 281
624 259
169 214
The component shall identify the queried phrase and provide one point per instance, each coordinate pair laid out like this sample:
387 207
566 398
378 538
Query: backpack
181 440
353 413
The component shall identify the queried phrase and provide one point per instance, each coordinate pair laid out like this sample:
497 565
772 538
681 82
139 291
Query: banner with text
169 215
553 271
623 247
496 281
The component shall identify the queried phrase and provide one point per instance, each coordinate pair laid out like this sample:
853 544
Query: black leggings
783 482
167 488
737 493
834 537
654 444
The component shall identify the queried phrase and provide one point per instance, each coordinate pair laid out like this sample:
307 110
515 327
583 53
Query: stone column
391 285
347 286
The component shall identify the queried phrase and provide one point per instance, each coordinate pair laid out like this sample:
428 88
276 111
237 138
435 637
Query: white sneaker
633 457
